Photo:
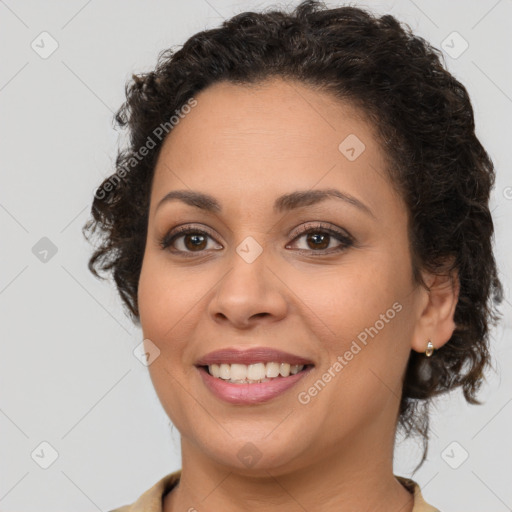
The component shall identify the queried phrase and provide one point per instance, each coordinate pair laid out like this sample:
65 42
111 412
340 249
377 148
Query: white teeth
225 371
295 368
284 369
257 372
238 372
272 370
247 381
215 370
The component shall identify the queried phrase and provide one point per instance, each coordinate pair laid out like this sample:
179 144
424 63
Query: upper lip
250 356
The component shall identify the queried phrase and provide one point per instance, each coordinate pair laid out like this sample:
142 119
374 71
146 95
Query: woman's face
267 265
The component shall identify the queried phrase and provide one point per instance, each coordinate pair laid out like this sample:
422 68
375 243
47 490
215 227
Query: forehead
281 117
267 139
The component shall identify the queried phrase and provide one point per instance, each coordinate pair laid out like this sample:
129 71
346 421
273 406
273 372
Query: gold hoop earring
430 349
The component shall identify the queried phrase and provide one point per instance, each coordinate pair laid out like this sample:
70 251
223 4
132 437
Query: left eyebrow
286 202
302 198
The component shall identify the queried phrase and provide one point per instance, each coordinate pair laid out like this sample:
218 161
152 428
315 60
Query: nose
249 294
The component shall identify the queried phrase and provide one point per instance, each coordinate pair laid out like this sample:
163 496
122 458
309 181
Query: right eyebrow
197 199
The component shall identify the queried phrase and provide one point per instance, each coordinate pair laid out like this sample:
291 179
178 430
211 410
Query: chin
252 454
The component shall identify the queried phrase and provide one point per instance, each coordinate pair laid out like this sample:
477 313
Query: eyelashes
308 230
195 241
199 237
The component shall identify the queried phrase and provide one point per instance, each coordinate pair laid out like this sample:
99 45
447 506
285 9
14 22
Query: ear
436 310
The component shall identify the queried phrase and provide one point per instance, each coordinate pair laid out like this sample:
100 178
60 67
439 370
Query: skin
247 145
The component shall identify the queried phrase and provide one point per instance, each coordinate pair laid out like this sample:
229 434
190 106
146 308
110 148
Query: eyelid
320 225
170 236
344 239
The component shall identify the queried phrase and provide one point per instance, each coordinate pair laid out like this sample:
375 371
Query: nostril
260 315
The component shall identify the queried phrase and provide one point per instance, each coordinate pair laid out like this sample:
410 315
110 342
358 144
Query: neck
357 476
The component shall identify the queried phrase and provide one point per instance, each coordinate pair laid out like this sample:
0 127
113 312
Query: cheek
361 317
344 300
151 306
164 308
166 298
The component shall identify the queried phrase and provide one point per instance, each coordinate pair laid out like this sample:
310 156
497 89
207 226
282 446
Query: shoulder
151 500
420 505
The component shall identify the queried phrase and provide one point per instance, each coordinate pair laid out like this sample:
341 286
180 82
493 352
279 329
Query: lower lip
246 394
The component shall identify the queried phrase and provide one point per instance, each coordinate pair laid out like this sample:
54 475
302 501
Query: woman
300 225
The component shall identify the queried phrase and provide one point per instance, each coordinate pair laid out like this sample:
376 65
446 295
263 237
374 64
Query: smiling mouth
254 373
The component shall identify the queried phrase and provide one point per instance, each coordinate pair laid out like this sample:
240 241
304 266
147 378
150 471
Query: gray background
68 374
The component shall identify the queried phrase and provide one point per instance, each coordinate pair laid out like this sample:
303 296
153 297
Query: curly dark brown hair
425 124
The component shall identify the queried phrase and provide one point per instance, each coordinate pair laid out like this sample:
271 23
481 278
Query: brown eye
318 241
194 242
186 240
321 239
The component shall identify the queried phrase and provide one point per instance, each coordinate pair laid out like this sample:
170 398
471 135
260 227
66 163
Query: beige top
151 500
